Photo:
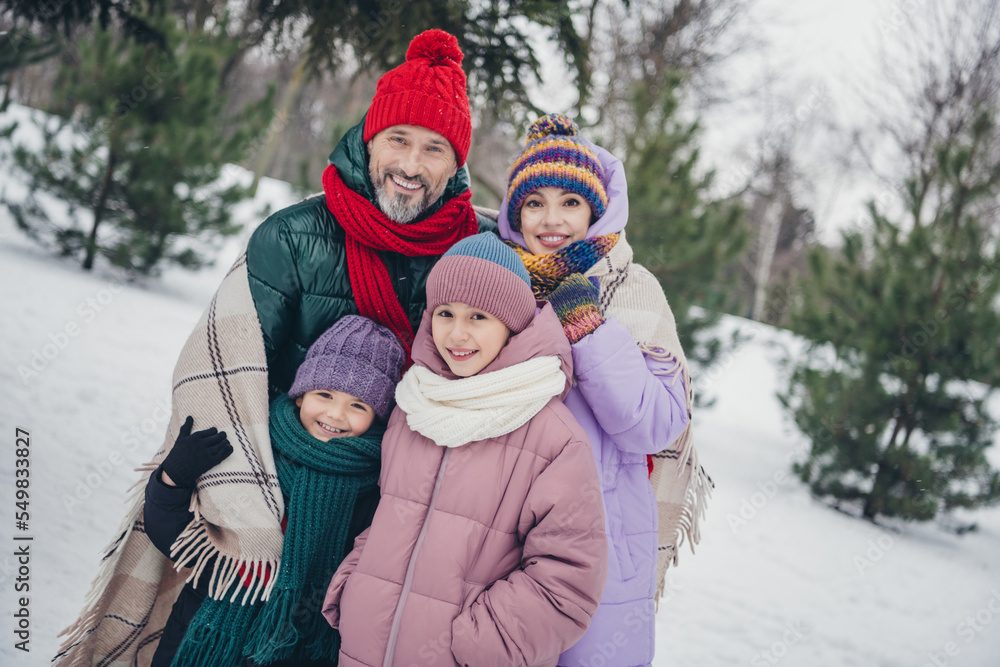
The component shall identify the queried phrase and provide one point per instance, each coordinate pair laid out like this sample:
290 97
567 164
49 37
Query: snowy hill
85 367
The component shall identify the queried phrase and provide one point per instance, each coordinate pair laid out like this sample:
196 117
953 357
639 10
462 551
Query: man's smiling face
409 168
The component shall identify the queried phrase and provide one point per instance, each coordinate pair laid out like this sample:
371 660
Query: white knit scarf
453 413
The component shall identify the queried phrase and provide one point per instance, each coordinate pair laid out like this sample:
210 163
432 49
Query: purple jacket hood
614 218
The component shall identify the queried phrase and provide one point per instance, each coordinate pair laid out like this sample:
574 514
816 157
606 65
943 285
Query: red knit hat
428 90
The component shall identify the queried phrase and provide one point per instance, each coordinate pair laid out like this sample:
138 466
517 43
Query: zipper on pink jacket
390 648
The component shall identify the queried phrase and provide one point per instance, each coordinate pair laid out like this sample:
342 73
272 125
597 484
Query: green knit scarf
548 270
321 482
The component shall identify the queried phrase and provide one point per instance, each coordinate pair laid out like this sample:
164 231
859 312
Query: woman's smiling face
552 218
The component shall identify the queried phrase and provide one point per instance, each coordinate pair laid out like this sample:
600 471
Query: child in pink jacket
488 545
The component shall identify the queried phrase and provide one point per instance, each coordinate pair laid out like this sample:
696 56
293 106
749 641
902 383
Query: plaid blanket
220 379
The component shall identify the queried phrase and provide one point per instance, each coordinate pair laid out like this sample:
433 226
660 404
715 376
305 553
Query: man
396 197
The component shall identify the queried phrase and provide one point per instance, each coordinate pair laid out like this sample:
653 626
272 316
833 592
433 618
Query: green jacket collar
350 158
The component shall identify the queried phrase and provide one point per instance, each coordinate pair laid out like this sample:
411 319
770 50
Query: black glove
194 454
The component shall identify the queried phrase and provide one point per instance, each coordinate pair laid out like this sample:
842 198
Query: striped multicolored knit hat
555 157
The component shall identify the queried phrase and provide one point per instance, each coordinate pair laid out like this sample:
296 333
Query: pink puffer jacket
492 553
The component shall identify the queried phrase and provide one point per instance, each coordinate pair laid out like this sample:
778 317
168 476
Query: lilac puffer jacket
627 412
491 553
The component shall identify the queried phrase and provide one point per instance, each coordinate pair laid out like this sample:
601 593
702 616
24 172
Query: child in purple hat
326 437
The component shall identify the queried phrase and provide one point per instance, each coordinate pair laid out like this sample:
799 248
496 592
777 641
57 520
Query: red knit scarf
369 232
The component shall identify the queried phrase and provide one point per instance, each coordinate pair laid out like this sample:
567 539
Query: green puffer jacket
297 264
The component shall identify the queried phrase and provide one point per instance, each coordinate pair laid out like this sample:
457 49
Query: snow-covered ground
85 367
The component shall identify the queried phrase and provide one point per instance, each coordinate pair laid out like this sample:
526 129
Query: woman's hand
575 302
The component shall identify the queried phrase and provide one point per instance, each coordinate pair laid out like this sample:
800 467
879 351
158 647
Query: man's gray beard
399 208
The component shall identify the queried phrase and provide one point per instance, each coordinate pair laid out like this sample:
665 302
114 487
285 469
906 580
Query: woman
565 214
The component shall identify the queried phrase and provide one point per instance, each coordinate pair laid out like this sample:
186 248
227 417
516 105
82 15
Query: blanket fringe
684 444
661 355
194 548
687 526
90 614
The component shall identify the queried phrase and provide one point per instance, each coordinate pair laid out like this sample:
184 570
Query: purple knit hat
355 356
483 272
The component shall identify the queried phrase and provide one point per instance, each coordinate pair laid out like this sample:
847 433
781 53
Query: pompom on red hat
428 90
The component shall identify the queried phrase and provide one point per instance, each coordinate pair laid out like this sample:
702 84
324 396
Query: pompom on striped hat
556 157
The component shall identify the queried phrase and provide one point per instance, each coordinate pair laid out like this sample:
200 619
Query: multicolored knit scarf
547 271
369 232
321 483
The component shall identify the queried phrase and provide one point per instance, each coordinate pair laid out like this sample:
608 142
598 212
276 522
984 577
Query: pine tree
497 38
904 322
680 234
137 154
18 48
66 15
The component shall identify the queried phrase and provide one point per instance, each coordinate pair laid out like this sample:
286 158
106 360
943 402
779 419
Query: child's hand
575 302
194 454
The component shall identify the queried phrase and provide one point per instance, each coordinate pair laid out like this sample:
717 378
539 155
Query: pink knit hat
483 272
